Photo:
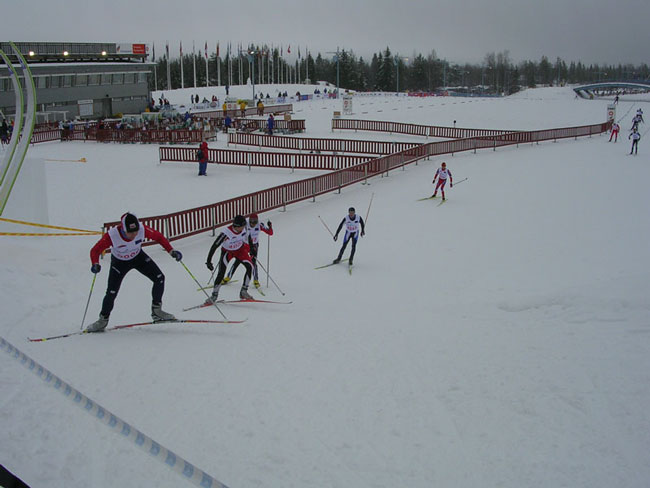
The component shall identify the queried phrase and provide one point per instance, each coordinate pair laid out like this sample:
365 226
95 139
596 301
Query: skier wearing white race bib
352 224
125 242
442 174
253 227
234 241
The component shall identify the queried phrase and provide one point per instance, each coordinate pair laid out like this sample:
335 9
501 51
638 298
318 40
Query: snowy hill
499 339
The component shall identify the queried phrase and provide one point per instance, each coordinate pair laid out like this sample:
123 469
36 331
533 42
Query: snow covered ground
501 339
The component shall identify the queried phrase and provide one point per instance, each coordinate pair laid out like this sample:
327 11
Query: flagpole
194 61
155 69
218 67
182 80
207 72
169 76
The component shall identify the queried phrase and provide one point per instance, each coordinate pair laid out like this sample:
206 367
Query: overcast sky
593 31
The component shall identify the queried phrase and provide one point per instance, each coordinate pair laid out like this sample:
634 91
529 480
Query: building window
67 81
129 78
82 80
118 79
142 77
93 79
106 79
42 82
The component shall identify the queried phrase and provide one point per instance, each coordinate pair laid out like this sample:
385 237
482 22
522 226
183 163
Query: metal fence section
208 218
123 135
414 129
268 109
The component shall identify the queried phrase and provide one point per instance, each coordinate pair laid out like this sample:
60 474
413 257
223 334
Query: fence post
313 190
284 198
255 203
248 160
214 219
340 182
590 131
494 143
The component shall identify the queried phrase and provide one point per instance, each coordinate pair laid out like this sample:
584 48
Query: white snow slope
501 339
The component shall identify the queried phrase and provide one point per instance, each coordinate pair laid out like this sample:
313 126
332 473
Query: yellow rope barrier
46 235
89 232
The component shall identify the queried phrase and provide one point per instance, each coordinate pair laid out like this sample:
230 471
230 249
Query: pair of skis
203 305
138 324
332 264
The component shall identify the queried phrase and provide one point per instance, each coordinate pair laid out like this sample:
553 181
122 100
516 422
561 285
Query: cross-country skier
253 227
125 242
352 224
235 244
635 136
636 120
614 134
442 174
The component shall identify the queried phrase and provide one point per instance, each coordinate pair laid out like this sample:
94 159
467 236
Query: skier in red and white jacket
235 243
125 241
442 174
253 227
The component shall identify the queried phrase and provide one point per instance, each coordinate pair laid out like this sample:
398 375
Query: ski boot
225 280
213 298
336 261
99 325
244 295
159 315
256 283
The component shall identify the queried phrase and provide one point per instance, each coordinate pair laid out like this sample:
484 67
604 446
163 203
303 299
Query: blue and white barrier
187 470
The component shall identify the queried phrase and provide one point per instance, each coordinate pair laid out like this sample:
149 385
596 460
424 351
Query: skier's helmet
239 221
351 209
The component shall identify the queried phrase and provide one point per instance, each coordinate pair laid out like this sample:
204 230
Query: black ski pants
145 265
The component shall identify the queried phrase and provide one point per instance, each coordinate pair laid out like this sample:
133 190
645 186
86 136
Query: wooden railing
327 162
413 129
122 135
268 109
209 217
314 144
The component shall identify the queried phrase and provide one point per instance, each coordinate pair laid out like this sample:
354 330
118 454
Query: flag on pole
289 49
206 49
181 49
298 52
153 59
217 48
167 49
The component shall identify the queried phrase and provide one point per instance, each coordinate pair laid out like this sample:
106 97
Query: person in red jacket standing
125 241
203 155
235 243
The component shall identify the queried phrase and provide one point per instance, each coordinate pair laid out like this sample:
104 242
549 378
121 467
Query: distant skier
615 129
352 224
442 174
4 132
639 113
125 242
235 244
638 118
253 227
636 137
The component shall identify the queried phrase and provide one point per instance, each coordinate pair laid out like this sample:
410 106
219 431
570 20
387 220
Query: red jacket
105 242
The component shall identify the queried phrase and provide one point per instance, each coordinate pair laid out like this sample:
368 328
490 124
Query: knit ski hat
253 216
351 209
130 222
239 221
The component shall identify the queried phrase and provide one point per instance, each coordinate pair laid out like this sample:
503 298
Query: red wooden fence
414 129
209 217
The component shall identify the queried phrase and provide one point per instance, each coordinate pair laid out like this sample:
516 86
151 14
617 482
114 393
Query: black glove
210 265
268 224
336 236
176 255
363 233
95 268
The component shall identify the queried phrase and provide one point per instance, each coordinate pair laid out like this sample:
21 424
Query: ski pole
92 285
268 258
368 212
461 180
328 229
212 275
205 292
269 276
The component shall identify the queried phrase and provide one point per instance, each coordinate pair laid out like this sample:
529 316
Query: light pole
250 54
337 59
396 60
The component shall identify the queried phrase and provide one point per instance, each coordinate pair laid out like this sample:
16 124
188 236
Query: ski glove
176 255
451 185
336 236
210 266
363 233
96 268
268 224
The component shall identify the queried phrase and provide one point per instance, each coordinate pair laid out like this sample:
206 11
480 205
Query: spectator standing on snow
270 123
202 156
125 242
